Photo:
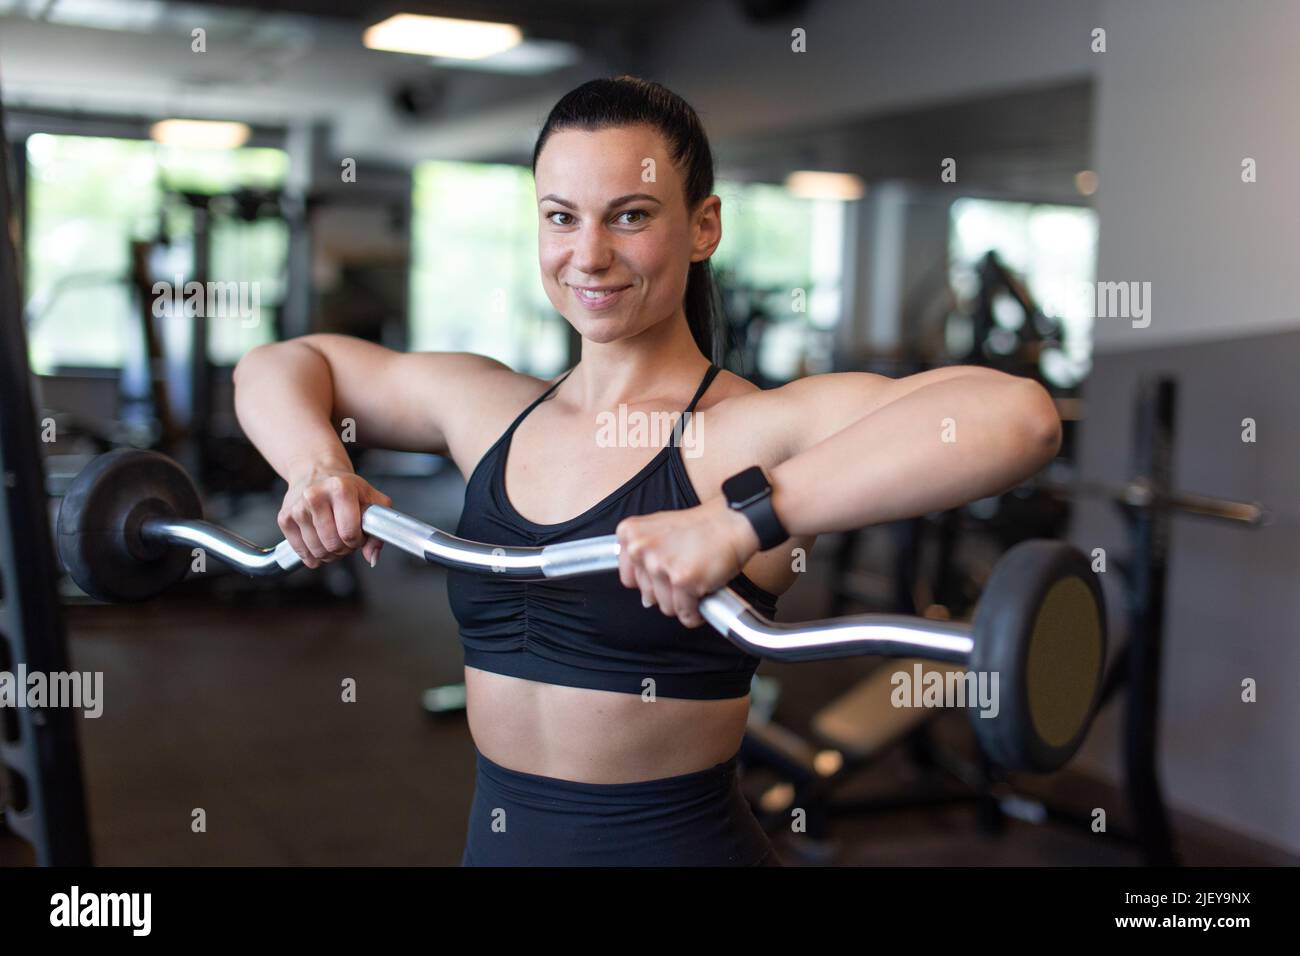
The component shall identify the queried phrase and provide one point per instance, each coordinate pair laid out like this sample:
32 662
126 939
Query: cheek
663 270
655 261
550 257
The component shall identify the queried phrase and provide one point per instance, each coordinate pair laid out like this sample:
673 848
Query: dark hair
628 101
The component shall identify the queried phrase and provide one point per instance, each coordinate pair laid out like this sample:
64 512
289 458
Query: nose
592 250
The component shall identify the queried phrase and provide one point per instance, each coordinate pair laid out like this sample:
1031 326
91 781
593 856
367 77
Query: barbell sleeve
1140 493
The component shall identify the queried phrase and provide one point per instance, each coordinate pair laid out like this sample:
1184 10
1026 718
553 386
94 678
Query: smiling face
614 249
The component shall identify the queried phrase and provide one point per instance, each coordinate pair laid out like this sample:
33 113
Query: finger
289 528
322 516
307 528
627 563
626 573
647 587
686 606
307 534
347 516
373 546
663 593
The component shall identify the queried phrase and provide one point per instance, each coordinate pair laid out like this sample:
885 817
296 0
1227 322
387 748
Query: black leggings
696 819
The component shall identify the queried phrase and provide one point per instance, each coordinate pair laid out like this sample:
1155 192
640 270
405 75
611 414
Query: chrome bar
401 531
512 561
564 559
233 550
885 635
570 558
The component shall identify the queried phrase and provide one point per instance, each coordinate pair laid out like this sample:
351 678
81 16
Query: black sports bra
590 631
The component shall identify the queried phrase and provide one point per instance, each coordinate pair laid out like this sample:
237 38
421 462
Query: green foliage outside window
89 197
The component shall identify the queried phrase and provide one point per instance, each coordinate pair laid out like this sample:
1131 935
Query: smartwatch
750 493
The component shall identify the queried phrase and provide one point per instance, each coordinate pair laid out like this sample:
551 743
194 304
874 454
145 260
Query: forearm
936 448
284 400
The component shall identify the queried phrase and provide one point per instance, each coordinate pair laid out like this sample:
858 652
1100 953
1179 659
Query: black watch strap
750 493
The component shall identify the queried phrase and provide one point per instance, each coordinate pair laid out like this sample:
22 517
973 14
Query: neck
658 363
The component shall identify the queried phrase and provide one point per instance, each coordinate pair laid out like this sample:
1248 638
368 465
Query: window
475 284
89 198
788 253
1054 249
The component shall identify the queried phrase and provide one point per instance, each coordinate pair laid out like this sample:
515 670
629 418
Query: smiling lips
596 298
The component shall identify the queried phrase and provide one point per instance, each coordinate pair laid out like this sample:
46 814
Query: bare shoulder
786 420
737 424
488 395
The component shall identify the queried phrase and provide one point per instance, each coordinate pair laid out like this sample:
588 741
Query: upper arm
809 410
401 400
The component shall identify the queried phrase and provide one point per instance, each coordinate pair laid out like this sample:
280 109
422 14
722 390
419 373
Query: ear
706 228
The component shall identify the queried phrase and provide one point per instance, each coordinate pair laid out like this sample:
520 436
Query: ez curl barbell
1040 625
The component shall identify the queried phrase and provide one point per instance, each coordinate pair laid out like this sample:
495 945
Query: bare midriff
598 736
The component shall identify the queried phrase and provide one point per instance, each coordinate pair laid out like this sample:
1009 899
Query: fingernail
645 603
374 558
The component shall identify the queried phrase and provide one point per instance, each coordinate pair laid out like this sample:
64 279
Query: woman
607 720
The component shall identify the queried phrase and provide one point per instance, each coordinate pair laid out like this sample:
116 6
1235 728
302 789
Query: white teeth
589 294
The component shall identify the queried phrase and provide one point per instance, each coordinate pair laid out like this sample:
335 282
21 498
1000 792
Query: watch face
742 488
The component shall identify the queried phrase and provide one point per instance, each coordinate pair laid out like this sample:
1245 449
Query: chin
601 331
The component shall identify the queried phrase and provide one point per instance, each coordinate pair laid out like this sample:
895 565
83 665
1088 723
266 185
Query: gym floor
226 697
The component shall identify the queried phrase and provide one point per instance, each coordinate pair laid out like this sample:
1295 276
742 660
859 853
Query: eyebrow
621 200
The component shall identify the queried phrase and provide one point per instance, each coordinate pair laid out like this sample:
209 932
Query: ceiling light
441 36
199 134
806 184
138 15
530 58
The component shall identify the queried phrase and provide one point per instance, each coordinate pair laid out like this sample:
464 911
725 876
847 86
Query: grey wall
1233 607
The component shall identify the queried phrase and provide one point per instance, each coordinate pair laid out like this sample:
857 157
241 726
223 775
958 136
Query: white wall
1186 89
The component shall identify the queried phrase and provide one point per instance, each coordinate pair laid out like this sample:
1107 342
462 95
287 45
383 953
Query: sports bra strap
537 401
709 376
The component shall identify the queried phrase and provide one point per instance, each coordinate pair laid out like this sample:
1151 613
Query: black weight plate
98 525
1041 627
